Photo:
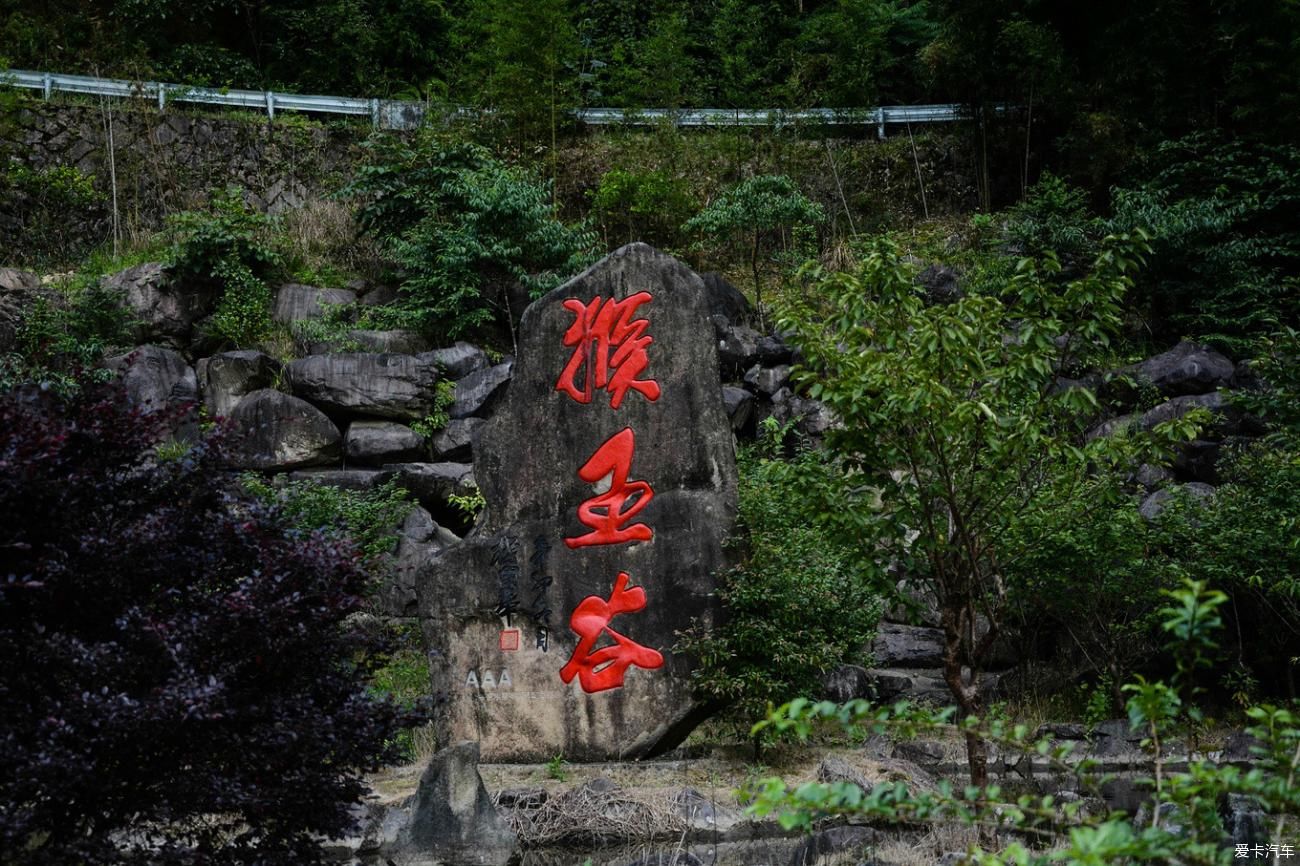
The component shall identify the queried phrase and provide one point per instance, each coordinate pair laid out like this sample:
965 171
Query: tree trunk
956 620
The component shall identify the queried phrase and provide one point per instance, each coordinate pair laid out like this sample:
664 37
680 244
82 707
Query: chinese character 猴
609 350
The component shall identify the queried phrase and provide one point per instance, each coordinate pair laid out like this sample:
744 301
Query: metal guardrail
402 114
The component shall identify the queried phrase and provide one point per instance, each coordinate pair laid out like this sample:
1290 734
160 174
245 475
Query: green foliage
649 205
227 246
468 504
63 336
1224 236
370 518
555 769
1184 824
799 604
759 212
444 395
463 231
48 216
951 414
1053 217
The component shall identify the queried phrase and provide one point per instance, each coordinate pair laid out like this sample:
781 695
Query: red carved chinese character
600 328
607 512
589 621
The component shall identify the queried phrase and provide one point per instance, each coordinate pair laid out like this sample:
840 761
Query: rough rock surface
458 361
281 432
296 303
516 567
224 379
1155 504
1188 368
907 646
726 301
397 341
478 392
164 309
344 479
432 483
375 443
18 289
155 378
420 538
455 442
451 819
739 405
401 387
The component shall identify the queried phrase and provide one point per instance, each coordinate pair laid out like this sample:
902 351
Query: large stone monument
610 481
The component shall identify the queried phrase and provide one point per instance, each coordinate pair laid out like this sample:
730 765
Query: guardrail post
270 105
47 85
374 113
162 97
880 122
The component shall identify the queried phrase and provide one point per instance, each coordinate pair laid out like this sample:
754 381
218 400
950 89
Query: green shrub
370 518
1054 217
1225 237
646 206
49 216
228 246
798 604
463 231
62 338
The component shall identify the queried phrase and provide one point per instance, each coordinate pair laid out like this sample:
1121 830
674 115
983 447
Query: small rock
458 361
737 350
907 646
941 285
163 308
726 301
376 443
297 303
768 380
1188 368
921 751
432 483
847 683
1152 477
155 378
401 342
835 769
1156 504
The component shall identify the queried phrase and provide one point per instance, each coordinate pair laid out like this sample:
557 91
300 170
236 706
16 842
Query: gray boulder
155 378
432 483
282 432
297 303
768 380
163 309
226 378
401 387
458 361
451 819
1188 368
847 683
726 302
1157 503
18 290
773 351
397 341
420 538
940 284
737 349
455 442
739 404
344 479
376 443
907 646
478 392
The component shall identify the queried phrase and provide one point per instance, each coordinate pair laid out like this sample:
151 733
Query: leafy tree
950 412
1225 221
471 238
1183 826
760 212
799 604
180 678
